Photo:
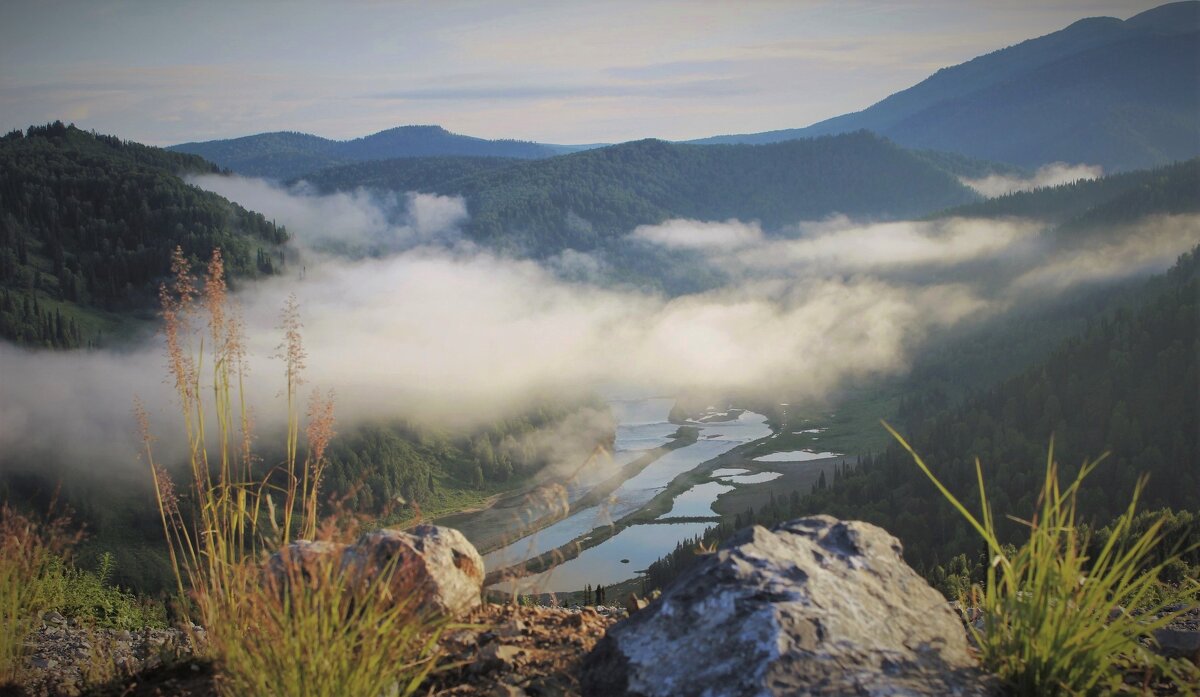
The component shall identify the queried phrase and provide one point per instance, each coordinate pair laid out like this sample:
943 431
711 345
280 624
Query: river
642 425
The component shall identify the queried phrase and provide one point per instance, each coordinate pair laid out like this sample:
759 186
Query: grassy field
851 426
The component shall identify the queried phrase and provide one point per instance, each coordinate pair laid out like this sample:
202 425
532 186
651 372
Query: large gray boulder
433 566
430 567
815 606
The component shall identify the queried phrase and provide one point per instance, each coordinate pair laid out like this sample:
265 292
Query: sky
167 71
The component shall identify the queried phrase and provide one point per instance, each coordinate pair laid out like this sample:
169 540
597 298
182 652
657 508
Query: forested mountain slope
87 225
1128 385
405 174
1125 385
1125 196
286 155
1121 94
580 200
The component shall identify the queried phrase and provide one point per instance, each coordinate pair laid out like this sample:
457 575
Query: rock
54 618
124 635
1115 613
1178 643
306 557
432 567
512 628
812 606
436 563
499 657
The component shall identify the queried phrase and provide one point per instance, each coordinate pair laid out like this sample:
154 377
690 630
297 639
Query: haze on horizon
164 73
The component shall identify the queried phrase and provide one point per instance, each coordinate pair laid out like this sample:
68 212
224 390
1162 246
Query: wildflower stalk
317 630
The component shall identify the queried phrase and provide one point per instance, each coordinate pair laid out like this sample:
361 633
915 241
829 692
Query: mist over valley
589 362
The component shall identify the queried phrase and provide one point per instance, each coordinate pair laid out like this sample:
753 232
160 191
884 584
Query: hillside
1121 94
1088 205
580 200
87 225
1126 385
404 173
286 155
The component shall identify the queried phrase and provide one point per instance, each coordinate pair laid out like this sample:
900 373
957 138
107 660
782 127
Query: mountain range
1121 94
578 201
285 154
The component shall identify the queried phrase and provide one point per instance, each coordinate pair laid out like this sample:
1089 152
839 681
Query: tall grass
314 631
29 552
1049 625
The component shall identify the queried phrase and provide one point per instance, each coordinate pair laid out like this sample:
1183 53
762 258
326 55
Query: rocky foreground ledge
813 606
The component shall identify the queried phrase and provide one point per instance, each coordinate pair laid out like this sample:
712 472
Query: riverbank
639 500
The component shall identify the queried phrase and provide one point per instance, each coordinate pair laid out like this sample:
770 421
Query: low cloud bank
1053 174
357 223
441 332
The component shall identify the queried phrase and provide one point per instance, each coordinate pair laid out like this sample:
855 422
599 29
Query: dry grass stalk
29 549
299 638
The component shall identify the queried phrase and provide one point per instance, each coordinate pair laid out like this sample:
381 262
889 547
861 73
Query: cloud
1053 174
354 223
697 234
840 245
1129 251
444 333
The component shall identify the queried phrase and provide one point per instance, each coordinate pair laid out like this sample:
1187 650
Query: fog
1053 174
420 324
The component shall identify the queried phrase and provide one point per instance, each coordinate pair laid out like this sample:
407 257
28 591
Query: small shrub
1174 572
88 596
1046 605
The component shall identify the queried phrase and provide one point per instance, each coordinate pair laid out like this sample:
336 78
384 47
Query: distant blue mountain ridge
1121 94
285 154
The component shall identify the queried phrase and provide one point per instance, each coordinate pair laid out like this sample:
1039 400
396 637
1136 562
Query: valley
274 402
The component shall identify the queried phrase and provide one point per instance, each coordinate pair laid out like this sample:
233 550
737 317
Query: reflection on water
795 456
602 565
642 424
549 538
697 502
757 478
642 421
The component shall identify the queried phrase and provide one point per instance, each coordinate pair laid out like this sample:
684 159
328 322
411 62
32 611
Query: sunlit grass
1049 626
313 630
29 551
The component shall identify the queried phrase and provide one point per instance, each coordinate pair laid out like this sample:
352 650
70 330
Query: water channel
642 426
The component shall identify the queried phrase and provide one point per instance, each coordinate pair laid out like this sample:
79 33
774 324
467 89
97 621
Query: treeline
374 466
581 200
87 222
1128 385
1114 198
429 174
25 321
